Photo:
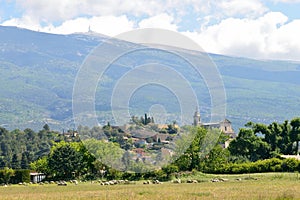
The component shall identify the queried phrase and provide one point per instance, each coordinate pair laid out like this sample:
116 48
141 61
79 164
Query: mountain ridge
39 69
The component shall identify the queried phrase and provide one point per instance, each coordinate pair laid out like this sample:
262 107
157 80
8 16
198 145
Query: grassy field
254 186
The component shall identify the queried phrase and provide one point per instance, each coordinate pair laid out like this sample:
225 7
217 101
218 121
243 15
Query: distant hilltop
38 71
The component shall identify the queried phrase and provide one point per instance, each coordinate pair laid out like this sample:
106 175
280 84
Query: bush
170 170
268 165
114 174
19 175
131 176
160 175
290 165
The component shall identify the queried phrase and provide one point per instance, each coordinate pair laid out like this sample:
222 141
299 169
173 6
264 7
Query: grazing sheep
111 182
215 180
107 183
177 181
62 183
223 179
189 181
156 182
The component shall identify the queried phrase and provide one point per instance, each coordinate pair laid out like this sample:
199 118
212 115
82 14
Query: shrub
21 175
290 165
160 175
169 170
114 174
268 165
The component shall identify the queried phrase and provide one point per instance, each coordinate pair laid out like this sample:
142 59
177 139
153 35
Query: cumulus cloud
23 22
250 8
163 21
267 37
56 10
107 25
231 27
286 1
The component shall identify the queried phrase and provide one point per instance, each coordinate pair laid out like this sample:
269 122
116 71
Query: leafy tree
275 136
189 147
170 169
15 164
64 160
295 134
46 127
24 160
216 158
285 144
108 153
18 148
7 174
247 144
41 165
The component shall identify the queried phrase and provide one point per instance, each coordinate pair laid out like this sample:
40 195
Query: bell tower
197 118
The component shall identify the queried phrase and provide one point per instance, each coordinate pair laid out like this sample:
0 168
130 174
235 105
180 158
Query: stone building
224 125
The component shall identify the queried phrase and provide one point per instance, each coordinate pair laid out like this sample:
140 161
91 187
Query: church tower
197 118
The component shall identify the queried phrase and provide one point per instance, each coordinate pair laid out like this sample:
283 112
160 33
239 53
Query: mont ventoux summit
38 71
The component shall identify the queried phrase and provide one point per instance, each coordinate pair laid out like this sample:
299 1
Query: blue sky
250 28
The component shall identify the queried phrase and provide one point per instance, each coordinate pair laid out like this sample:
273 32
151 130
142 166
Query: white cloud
107 25
232 27
284 42
267 37
163 21
250 8
56 10
286 1
23 22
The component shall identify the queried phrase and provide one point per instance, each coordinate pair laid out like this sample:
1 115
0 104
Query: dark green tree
24 160
15 163
64 161
46 127
248 145
295 134
285 144
191 145
7 174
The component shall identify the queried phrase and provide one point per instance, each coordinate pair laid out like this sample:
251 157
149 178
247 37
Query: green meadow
247 186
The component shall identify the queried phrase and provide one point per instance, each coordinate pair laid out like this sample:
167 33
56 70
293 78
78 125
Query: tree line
257 148
259 141
18 148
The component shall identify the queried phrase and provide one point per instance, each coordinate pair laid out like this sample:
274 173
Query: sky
268 29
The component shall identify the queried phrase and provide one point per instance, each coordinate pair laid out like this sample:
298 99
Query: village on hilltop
149 142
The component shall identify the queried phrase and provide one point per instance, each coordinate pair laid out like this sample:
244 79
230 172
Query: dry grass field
254 186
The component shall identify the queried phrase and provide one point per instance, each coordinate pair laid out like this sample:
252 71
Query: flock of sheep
118 182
